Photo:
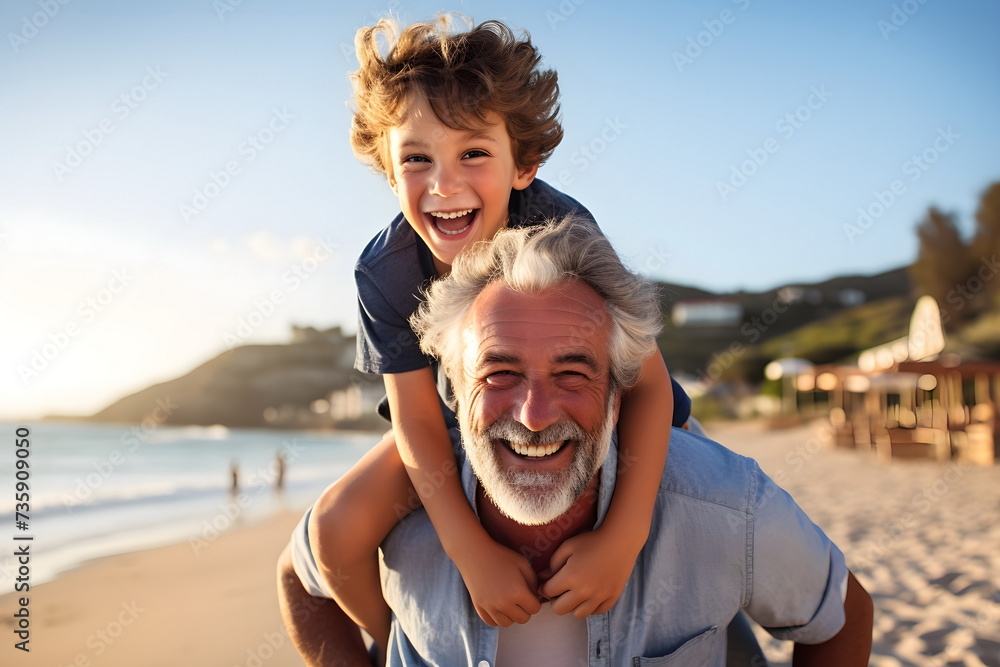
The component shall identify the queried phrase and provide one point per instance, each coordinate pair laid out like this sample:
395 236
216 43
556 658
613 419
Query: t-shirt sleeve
682 404
797 575
386 343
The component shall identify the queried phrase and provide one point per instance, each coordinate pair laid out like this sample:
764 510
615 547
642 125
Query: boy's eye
415 158
475 153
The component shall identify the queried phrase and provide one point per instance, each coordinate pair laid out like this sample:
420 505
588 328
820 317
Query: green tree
985 245
943 265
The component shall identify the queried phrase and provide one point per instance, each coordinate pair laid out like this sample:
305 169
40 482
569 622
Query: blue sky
176 176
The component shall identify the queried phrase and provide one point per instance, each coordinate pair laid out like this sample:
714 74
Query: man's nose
446 181
537 409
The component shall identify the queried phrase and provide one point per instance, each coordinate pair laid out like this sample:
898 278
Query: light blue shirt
724 537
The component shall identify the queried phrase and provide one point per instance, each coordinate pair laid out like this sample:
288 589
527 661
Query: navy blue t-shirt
395 266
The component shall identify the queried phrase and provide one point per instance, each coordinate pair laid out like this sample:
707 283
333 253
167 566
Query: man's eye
501 379
571 379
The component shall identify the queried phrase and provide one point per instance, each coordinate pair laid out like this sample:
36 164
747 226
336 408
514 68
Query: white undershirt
547 639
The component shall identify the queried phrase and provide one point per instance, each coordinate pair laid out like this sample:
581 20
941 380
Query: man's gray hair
530 260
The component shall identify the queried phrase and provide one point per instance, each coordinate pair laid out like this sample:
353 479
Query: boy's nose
445 182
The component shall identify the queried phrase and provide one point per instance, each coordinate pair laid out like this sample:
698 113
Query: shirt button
484 663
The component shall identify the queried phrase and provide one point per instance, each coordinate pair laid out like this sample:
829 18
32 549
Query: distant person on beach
543 332
234 475
459 123
279 475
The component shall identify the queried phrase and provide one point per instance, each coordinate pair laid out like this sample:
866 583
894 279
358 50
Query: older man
541 332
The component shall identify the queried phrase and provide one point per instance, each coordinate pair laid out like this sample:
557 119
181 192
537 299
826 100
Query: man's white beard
536 498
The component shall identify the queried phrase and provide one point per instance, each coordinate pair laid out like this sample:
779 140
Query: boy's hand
591 570
501 582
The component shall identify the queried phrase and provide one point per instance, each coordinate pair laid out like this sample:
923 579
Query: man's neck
537 543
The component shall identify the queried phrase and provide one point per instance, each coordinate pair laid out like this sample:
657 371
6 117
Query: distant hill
242 386
732 348
238 387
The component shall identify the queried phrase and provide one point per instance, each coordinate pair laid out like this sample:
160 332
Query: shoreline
163 606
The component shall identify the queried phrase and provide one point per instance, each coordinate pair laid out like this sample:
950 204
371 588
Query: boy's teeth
454 214
536 450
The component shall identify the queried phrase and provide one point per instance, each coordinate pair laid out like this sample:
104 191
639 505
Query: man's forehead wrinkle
580 329
560 343
508 311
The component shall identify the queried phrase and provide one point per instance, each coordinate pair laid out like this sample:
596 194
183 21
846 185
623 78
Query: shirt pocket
704 650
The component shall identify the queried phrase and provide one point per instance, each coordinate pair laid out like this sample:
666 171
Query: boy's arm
497 577
593 568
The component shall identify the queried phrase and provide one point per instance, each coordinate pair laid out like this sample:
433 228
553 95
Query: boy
459 124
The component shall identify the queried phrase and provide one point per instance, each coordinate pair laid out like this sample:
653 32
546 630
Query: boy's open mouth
453 223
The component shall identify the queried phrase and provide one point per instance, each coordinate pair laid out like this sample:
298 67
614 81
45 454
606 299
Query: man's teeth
536 450
452 215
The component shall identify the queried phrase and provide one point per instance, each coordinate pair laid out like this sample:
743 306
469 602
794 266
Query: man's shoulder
704 470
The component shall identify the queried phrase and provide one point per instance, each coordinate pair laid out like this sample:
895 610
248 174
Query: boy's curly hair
464 76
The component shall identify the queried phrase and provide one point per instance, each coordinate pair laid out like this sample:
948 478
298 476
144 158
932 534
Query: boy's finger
519 615
502 619
554 587
584 609
565 603
530 606
605 606
487 619
530 578
560 557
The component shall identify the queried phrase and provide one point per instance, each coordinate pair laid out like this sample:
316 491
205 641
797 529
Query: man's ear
524 176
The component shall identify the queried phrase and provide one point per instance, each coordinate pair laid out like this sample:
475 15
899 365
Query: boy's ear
524 176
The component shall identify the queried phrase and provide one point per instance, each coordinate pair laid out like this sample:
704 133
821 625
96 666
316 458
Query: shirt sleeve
682 404
303 561
797 576
386 343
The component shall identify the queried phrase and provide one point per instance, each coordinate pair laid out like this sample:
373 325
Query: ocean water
100 489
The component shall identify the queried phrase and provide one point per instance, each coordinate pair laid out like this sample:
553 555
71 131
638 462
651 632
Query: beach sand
923 538
164 607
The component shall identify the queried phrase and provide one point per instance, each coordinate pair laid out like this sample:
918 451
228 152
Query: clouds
94 313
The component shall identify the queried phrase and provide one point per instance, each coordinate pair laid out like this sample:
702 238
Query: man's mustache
508 428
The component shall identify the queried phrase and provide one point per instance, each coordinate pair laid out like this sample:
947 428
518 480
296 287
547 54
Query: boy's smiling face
453 185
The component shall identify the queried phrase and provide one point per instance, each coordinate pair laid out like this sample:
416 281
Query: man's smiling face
535 405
